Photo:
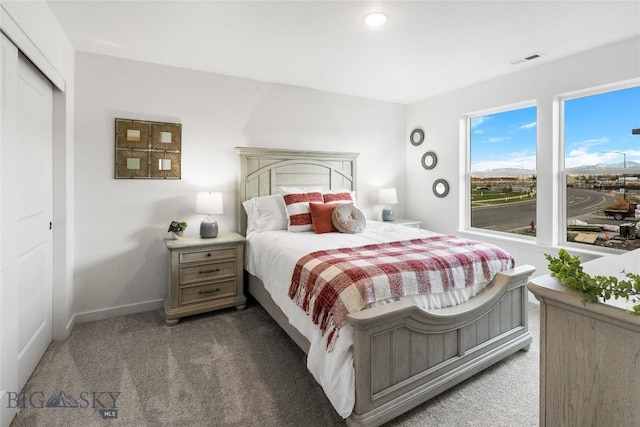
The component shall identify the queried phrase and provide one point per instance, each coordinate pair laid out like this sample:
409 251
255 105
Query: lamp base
388 214
208 228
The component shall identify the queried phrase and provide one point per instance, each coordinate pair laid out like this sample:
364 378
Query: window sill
530 243
505 237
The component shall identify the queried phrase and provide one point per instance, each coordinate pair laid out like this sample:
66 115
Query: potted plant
177 229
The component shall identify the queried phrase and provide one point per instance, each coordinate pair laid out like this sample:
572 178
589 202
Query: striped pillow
340 196
298 209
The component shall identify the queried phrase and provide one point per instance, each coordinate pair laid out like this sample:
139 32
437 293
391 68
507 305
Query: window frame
563 175
466 195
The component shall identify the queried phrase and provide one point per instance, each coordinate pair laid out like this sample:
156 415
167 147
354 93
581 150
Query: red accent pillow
321 215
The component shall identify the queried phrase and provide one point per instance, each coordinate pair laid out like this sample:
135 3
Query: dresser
589 354
204 275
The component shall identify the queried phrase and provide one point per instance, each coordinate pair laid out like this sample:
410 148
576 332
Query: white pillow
270 213
250 209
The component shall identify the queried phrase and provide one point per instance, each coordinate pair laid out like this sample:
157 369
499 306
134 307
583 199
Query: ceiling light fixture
375 19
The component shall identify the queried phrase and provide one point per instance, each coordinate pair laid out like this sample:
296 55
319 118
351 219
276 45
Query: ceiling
426 48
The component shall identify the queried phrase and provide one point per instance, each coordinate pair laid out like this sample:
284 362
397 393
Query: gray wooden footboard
404 355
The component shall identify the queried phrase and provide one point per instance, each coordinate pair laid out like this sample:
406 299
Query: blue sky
599 123
593 125
504 140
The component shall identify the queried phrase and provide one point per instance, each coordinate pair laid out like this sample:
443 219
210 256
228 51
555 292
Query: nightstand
406 222
204 275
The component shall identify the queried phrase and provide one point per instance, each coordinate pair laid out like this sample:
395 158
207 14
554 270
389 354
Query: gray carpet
234 368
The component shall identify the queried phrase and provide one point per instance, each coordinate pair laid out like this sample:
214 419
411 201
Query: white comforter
272 256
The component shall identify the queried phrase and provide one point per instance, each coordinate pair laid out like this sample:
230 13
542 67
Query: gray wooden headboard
263 171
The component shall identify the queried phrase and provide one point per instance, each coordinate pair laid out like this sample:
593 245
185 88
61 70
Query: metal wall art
440 188
429 160
416 137
149 150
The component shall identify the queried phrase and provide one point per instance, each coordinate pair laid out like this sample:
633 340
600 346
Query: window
502 177
602 168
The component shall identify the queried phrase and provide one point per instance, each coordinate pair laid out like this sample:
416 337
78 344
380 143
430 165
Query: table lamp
388 197
209 203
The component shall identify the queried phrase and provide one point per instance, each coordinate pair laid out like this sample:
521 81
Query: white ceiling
426 47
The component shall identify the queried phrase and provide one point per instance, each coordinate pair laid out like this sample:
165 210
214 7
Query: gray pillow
348 219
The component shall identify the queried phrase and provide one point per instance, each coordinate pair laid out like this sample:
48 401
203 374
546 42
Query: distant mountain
510 170
519 172
504 172
630 165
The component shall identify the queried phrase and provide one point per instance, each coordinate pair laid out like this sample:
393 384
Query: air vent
529 57
635 131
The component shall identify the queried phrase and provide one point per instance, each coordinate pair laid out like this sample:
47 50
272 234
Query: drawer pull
209 292
208 271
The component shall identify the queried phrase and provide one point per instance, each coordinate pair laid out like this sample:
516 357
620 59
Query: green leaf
568 270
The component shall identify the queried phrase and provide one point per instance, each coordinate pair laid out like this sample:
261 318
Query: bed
392 356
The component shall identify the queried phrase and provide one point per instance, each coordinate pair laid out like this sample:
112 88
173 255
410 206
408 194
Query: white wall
441 118
120 259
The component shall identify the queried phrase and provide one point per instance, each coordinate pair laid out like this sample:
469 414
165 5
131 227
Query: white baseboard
70 325
123 310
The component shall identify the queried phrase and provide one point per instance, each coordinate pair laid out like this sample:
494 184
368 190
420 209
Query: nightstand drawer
194 294
199 256
202 272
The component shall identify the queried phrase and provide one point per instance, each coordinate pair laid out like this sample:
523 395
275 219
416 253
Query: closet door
33 212
26 205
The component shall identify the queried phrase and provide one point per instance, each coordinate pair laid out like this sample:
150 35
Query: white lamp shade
387 196
209 203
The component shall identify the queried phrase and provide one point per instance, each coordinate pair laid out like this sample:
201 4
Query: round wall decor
441 188
429 160
416 137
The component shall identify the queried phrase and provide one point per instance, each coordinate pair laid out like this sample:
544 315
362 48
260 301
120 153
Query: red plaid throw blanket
330 284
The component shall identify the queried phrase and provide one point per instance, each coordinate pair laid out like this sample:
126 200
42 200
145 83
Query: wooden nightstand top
406 222
192 242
